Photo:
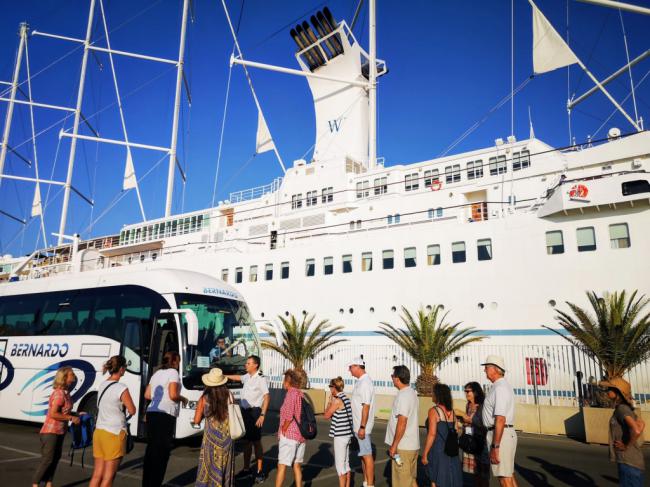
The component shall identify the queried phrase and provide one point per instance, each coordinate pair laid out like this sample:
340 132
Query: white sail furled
37 207
550 52
264 141
130 181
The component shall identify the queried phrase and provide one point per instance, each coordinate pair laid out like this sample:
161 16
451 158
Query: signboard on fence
536 371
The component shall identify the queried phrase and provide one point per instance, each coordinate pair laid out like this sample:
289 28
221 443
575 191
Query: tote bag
235 420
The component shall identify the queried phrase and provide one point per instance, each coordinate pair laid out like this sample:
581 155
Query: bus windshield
226 335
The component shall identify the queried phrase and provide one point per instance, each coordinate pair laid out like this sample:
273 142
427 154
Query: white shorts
290 451
507 450
342 454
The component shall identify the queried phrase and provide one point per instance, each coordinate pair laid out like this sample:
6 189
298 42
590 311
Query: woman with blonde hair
52 433
339 411
109 439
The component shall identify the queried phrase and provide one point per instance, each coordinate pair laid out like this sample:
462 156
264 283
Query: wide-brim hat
620 385
495 360
357 361
214 378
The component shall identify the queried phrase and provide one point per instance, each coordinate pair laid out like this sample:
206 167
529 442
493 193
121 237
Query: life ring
578 191
436 185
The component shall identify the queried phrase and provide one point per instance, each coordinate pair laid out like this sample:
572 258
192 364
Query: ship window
635 187
347 263
381 186
554 242
396 219
252 275
586 239
430 175
296 201
268 272
484 248
458 253
433 254
498 165
284 270
366 261
438 212
619 236
410 257
310 267
452 173
520 160
411 182
224 275
388 260
312 198
363 190
199 222
327 195
475 169
174 227
239 275
328 266
430 213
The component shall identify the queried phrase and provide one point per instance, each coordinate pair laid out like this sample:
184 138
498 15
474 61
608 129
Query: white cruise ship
499 235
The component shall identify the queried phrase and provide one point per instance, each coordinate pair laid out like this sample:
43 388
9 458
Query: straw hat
495 360
621 385
214 378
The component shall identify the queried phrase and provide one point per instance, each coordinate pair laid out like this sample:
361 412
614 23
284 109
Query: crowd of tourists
481 441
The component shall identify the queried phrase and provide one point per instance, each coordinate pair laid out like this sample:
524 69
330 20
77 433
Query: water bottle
398 460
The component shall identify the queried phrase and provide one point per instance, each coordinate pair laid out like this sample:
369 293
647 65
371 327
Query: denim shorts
630 476
365 446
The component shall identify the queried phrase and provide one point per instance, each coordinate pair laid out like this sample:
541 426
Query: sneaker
260 478
243 473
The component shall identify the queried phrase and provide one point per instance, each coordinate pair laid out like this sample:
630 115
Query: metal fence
558 375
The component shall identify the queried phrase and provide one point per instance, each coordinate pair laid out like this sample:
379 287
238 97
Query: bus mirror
192 324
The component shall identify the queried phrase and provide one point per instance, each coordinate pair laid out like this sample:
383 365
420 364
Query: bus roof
162 281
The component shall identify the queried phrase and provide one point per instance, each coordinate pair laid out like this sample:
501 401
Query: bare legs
104 472
344 480
508 482
282 472
368 465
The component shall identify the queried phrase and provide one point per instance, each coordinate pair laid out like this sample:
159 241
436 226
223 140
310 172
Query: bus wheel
89 406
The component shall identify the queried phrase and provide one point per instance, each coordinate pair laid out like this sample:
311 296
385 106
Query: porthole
142 258
341 310
393 309
429 307
154 256
481 306
351 310
262 314
441 306
372 310
552 303
286 313
304 313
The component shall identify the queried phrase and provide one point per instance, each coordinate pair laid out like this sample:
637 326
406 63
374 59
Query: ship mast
372 86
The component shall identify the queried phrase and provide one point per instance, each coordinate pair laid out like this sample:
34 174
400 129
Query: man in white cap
499 419
363 416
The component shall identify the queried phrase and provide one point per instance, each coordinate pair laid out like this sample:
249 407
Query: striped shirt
341 423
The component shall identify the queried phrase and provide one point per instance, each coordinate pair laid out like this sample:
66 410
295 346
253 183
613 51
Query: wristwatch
362 427
262 414
494 446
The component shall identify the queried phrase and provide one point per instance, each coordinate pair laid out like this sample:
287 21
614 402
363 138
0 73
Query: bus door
133 349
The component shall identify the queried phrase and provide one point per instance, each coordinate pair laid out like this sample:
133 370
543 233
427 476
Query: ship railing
41 271
256 192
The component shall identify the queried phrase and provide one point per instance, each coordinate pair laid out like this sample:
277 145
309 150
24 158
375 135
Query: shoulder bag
451 442
130 441
235 420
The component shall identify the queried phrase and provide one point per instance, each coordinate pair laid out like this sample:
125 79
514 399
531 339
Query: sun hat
357 361
495 360
214 378
620 385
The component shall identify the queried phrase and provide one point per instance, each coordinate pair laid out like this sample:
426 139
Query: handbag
472 443
451 442
235 420
354 442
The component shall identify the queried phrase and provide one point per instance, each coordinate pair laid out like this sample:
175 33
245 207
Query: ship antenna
372 85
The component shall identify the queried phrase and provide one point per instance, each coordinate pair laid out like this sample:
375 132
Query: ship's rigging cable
629 68
485 116
568 76
355 17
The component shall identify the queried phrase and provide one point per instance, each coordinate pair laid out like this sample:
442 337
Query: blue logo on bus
7 371
41 383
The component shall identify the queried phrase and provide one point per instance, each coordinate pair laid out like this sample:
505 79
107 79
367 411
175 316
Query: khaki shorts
507 449
108 446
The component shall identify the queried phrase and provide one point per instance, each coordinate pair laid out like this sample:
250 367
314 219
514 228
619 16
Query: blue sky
449 65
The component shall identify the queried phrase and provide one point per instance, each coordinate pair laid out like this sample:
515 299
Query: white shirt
110 414
500 401
254 390
405 404
363 393
160 401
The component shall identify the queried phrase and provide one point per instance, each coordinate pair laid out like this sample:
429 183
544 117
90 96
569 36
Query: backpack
81 436
307 423
451 442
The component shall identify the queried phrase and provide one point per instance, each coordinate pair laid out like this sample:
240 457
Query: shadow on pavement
566 475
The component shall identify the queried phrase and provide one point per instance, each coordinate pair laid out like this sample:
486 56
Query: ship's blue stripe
514 332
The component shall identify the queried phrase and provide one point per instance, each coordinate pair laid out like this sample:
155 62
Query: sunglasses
468 390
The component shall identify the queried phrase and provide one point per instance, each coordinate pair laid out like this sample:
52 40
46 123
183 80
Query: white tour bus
82 319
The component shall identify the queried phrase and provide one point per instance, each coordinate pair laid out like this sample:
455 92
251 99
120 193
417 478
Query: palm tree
617 335
299 342
430 340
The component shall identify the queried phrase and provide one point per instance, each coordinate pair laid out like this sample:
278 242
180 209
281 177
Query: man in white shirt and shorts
499 419
363 416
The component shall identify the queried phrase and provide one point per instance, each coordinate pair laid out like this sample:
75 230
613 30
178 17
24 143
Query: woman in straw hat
216 458
624 431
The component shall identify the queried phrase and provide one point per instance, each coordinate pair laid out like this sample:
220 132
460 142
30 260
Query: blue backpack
81 436
307 422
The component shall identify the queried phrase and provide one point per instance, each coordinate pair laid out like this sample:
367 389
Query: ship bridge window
452 174
310 267
520 160
433 254
586 239
347 263
327 195
411 182
284 270
388 260
458 252
328 266
619 236
366 261
554 242
484 248
252 275
239 274
410 257
363 189
475 169
381 186
498 165
296 201
635 187
268 272
312 198
224 275
431 175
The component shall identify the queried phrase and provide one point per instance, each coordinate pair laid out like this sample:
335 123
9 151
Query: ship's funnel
313 39
329 24
316 57
301 46
323 33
